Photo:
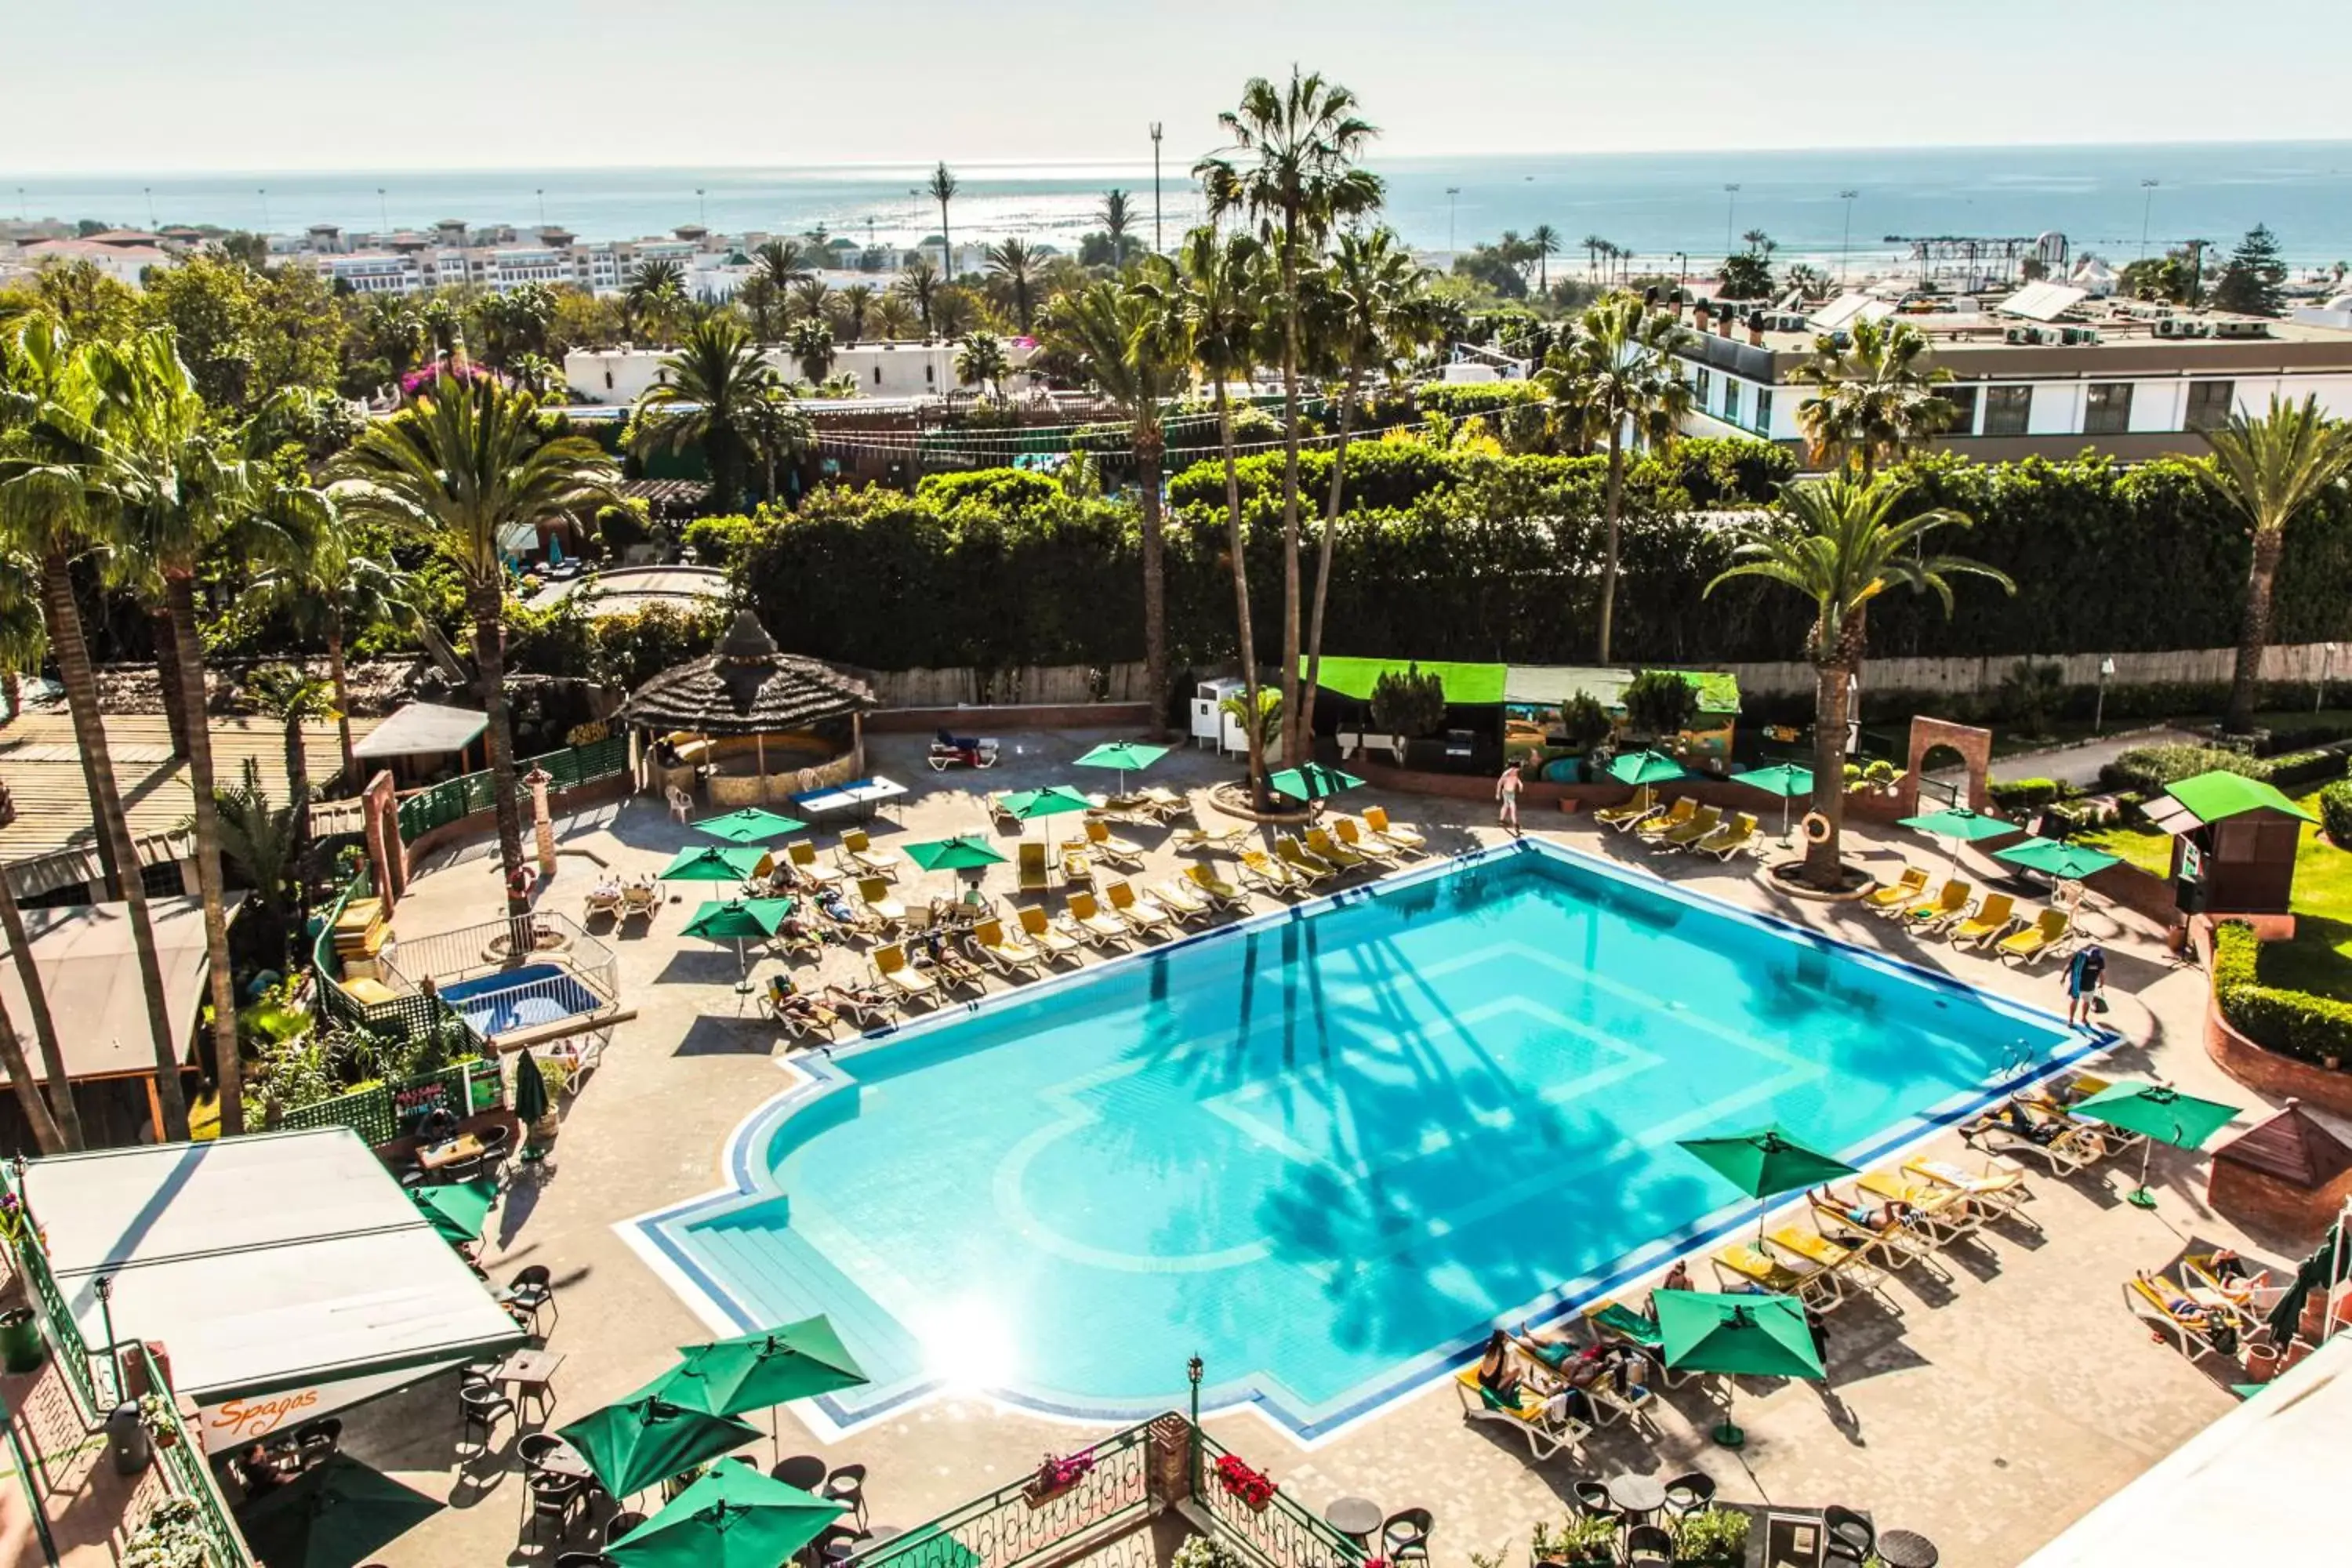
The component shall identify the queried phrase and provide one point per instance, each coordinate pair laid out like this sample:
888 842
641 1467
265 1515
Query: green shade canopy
458 1209
964 852
1313 781
1783 780
1767 1161
2211 798
1638 768
2071 862
530 1089
709 863
733 1517
1739 1336
1124 755
338 1515
2155 1111
748 825
1466 685
754 1372
641 1440
1959 823
1027 804
738 920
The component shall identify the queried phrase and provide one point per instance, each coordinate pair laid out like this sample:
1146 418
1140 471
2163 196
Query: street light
1452 191
265 209
1159 240
1682 267
2146 209
1193 1370
2099 711
2326 657
701 208
1845 245
1730 207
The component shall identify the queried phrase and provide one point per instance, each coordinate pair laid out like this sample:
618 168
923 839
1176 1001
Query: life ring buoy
1816 826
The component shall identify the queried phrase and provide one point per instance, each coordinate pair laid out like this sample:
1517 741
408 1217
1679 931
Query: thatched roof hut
746 688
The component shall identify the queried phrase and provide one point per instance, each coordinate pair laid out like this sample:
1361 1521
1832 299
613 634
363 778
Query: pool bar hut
425 741
2233 844
747 724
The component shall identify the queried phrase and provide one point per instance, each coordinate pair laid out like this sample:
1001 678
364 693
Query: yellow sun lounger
2192 1325
1729 839
1684 808
1006 954
1997 1188
1181 899
1992 917
1620 817
1528 1417
803 855
1091 922
1701 822
1948 904
1037 873
1403 834
1895 894
2046 933
1842 1263
1111 845
1039 928
900 977
1305 867
874 893
857 853
1267 874
1364 842
1216 889
1754 1266
1324 847
1139 915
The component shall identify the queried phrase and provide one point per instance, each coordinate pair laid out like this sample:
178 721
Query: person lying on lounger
795 929
791 1002
2014 1118
1870 1216
1498 1372
835 906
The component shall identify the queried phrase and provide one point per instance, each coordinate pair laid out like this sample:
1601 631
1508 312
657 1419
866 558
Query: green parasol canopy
738 920
1958 822
964 852
1124 755
2071 862
748 825
1313 781
458 1209
1639 768
733 1517
1027 804
709 863
530 1089
754 1372
1781 779
638 1441
336 1515
2158 1114
2322 1270
1767 1161
1740 1336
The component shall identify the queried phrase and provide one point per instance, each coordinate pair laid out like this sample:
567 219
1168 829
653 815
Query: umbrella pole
1727 1433
2140 1198
742 986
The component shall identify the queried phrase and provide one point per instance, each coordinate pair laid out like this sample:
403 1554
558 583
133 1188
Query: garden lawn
2144 846
2319 959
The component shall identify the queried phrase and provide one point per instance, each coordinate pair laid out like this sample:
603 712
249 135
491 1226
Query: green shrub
1659 702
1460 400
1407 702
2296 768
2030 694
722 541
2335 812
1009 490
1714 1534
1585 722
2293 1023
2149 769
2024 795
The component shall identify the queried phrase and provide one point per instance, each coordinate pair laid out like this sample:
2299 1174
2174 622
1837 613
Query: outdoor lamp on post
103 1286
2326 657
1193 1370
2099 710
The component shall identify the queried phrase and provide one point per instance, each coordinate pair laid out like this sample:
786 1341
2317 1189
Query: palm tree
811 299
810 347
331 594
783 263
1301 180
49 448
856 300
943 190
981 361
1846 547
1593 245
699 400
1118 217
468 462
1758 243
24 644
293 697
1222 279
656 293
47 1138
952 313
1618 373
61 1115
1131 339
1012 262
893 316
266 841
919 284
765 304
1876 397
777 430
2271 470
1547 243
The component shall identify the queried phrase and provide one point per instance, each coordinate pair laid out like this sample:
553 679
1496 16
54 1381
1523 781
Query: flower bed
1252 1487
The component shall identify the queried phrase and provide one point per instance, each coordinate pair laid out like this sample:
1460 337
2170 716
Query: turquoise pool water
1324 1150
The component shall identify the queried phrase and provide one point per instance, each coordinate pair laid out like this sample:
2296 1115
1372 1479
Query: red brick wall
2265 1071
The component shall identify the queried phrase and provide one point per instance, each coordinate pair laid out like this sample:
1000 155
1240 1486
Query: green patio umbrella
1124 755
1735 1336
458 1209
739 921
1639 768
2322 1270
2068 862
2158 1114
964 852
1314 782
529 1100
709 863
748 825
1028 805
732 1517
1765 1161
637 1442
341 1514
1786 780
758 1370
1959 824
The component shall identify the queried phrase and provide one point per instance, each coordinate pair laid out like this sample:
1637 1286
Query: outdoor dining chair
553 1500
533 1448
533 1291
1648 1543
1592 1501
616 1528
479 1404
1689 1493
847 1485
1404 1535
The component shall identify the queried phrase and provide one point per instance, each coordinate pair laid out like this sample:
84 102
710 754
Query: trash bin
126 1437
22 1348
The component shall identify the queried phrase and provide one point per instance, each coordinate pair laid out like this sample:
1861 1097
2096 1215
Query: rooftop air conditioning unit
2197 329
2014 335
2169 326
2241 329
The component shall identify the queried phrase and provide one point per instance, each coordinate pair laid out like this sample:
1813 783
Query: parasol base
1729 1436
2140 1199
742 988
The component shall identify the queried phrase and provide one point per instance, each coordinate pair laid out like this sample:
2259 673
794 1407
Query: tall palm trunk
28 1095
180 603
1834 671
339 677
485 600
2254 635
1323 558
1295 726
1249 731
167 676
1150 448
106 808
1612 509
67 1115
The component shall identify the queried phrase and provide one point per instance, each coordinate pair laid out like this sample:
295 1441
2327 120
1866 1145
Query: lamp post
151 205
2146 210
701 208
1845 243
1159 240
264 192
1730 208
1192 1372
104 1287
1682 267
2099 710
2326 657
1452 194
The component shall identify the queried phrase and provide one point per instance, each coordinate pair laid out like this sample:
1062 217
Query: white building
126 263
899 369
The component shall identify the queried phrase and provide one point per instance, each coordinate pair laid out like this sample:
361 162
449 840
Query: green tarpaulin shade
2322 1270
754 1372
1028 805
2159 1114
709 863
1639 768
748 825
458 1209
732 1517
1785 780
338 1515
1736 1336
739 921
2070 862
1765 1161
964 852
1313 781
1959 824
642 1441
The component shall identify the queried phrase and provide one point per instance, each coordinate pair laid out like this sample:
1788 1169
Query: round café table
1907 1549
1356 1517
563 1459
1637 1497
805 1471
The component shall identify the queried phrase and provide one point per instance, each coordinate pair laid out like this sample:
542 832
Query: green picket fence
458 798
384 1111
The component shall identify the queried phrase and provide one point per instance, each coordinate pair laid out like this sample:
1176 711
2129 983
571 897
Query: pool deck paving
1985 1404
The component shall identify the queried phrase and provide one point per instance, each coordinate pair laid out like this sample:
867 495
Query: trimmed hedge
2293 1023
2335 812
1399 475
2149 769
2024 795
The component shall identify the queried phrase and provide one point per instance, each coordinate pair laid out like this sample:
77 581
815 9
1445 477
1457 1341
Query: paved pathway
2076 765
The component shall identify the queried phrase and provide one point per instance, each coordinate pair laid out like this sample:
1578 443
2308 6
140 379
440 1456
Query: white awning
90 972
424 729
264 1264
2043 301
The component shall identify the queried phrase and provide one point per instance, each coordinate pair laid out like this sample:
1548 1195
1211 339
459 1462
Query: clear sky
170 85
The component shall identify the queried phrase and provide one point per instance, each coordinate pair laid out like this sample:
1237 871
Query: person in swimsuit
1506 790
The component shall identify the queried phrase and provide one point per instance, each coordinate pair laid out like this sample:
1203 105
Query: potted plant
1715 1536
162 1421
171 1536
1056 1475
1255 1488
1579 1538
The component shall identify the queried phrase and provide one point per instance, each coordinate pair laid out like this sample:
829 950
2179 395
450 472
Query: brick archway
1975 747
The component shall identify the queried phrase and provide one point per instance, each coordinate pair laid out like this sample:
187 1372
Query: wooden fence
1964 677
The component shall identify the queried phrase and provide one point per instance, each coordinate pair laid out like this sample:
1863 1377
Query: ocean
1654 203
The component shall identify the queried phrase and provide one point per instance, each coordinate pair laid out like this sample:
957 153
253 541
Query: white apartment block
883 370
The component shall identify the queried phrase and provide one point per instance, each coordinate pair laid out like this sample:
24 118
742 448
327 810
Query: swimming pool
1324 1149
521 998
